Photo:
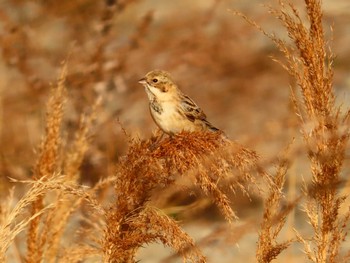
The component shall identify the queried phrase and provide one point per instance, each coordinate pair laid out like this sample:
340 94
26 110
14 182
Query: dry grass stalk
131 222
12 223
274 217
8 230
55 225
45 233
47 162
310 62
80 145
325 140
61 189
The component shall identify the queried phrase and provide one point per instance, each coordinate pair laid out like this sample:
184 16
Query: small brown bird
172 110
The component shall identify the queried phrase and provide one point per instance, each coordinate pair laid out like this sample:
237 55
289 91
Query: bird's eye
155 80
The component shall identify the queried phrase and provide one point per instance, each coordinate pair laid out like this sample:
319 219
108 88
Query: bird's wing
190 109
192 112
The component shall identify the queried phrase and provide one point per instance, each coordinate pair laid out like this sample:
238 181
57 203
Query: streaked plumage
172 110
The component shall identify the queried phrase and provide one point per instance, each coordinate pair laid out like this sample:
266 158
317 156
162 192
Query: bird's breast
169 118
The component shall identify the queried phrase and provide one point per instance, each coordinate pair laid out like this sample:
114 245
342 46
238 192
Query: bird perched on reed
172 110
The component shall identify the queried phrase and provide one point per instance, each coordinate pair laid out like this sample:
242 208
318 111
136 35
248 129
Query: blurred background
216 58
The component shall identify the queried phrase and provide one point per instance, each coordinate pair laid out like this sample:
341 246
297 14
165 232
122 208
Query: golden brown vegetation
93 192
323 127
206 158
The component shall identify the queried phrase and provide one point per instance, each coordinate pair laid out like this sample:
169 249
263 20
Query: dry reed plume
46 227
274 216
47 164
322 129
204 157
310 62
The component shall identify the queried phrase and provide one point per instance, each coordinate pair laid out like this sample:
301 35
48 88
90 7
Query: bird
170 108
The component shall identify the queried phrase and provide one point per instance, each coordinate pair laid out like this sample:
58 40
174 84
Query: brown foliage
309 61
131 222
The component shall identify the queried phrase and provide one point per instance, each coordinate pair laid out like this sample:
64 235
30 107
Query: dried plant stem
9 230
310 62
274 216
55 225
47 163
131 222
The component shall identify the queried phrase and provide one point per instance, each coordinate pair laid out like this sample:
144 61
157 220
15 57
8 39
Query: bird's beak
142 81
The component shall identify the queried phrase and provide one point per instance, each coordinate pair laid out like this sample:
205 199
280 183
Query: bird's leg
157 139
